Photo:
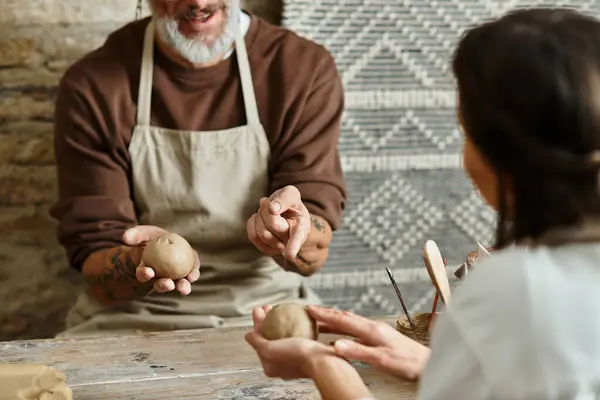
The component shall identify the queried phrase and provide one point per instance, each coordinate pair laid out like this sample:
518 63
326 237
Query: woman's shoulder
490 280
513 285
522 308
531 277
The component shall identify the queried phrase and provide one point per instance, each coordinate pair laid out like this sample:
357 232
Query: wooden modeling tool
397 289
437 270
435 301
481 251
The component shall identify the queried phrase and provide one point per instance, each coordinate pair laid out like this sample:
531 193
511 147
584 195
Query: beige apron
203 186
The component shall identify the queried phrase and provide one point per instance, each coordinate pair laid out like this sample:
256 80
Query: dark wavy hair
529 100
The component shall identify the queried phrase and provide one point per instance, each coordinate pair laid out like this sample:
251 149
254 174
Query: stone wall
38 40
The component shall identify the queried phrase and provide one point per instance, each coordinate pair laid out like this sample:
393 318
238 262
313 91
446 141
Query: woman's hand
376 343
290 358
296 358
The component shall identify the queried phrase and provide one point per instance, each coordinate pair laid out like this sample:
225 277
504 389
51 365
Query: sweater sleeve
310 158
94 204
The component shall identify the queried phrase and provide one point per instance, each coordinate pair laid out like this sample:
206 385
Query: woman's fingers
352 350
258 316
334 330
343 322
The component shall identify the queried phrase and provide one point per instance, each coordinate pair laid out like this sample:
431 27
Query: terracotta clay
289 320
33 382
170 256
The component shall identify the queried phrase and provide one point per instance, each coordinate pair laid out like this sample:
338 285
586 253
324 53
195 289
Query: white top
526 325
244 26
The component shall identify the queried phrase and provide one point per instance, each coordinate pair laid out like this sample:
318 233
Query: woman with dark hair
525 325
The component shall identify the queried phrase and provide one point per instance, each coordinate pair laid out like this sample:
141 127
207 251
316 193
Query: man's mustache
196 11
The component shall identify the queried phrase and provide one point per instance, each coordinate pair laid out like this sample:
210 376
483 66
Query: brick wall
37 42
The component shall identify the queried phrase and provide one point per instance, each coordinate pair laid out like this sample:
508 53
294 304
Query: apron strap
145 87
252 116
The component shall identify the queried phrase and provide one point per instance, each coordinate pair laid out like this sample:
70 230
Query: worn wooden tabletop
210 364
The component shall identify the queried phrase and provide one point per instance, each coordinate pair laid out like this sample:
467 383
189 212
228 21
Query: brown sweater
300 102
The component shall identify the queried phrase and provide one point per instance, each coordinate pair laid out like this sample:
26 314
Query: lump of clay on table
289 320
170 256
33 382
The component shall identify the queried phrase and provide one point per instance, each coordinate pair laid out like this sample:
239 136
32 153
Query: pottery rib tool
482 252
435 302
397 289
473 257
437 270
437 295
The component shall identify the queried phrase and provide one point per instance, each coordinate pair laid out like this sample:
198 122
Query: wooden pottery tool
437 270
399 295
435 301
472 258
482 252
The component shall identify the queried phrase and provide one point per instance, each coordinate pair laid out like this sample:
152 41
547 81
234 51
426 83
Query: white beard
194 50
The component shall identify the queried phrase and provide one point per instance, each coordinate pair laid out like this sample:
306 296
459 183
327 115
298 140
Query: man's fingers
298 234
163 285
193 276
183 286
143 273
256 241
141 234
274 222
196 260
253 236
269 232
285 199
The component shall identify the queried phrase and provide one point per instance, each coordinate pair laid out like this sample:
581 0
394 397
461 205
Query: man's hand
281 225
137 237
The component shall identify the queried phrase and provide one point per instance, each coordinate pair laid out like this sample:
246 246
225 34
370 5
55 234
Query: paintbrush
397 289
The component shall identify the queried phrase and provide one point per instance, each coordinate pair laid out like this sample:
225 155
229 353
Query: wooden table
207 364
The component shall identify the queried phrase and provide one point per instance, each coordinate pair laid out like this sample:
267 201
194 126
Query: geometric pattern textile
400 144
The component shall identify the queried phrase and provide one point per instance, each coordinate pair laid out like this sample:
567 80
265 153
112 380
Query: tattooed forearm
301 265
110 275
314 252
318 223
321 233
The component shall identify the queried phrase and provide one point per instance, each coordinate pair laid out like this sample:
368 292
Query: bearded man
208 122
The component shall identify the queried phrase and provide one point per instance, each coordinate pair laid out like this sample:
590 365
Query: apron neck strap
146 74
252 116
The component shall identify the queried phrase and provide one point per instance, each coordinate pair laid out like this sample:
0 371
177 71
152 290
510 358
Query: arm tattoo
318 223
113 276
302 265
303 268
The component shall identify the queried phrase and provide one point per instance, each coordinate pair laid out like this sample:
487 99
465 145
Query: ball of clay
170 256
289 320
